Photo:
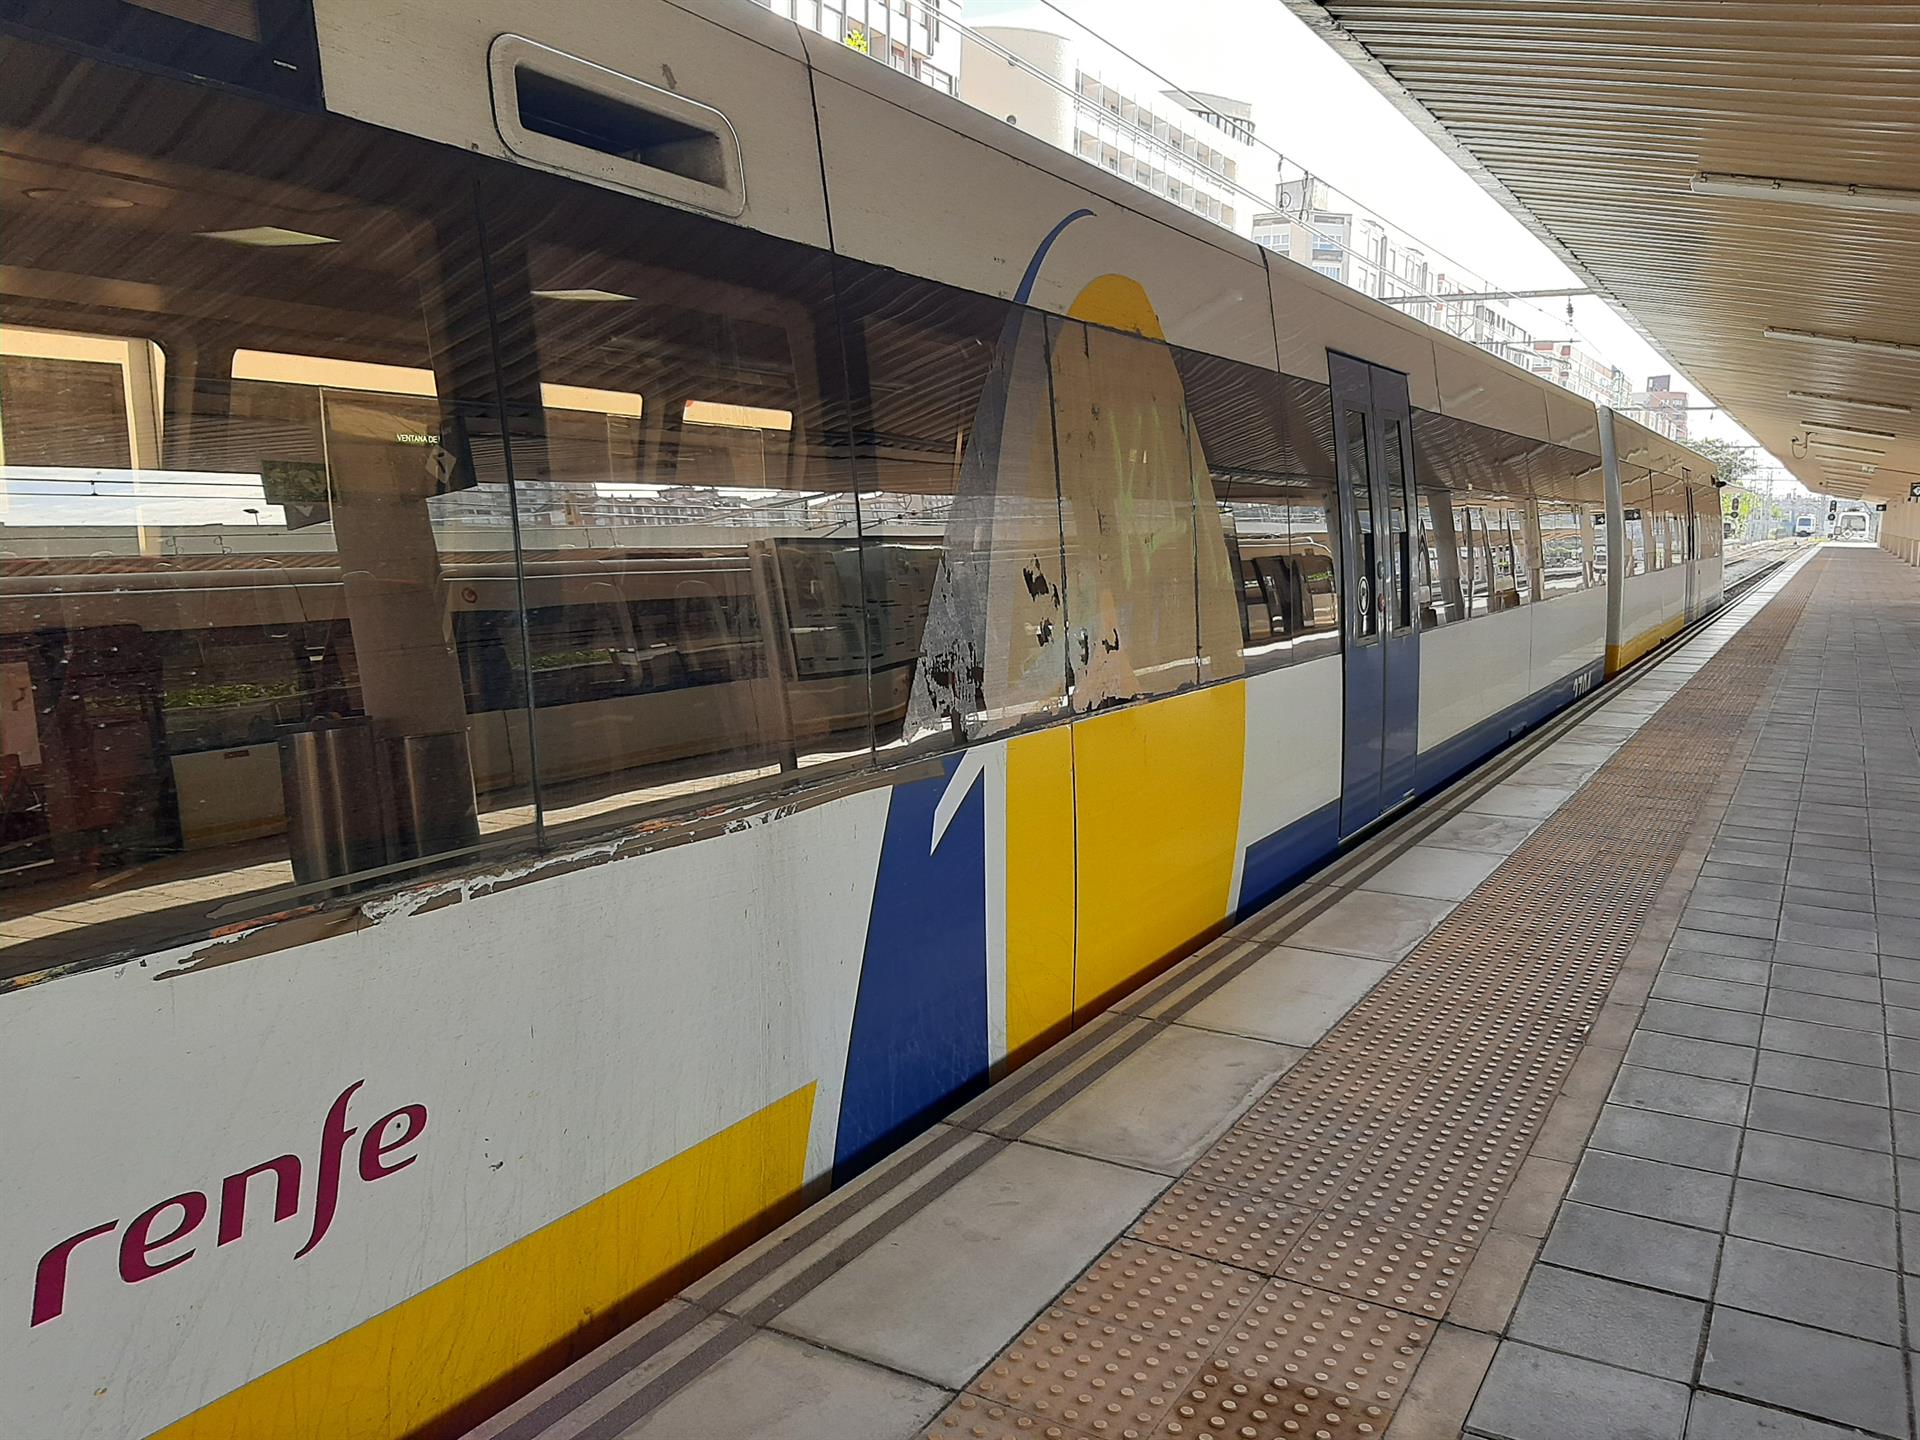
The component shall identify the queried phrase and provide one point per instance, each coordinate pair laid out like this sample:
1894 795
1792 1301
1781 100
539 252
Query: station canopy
1741 180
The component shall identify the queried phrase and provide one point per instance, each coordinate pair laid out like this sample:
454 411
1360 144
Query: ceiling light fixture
1807 192
1850 449
1824 399
1850 342
267 237
584 297
1822 427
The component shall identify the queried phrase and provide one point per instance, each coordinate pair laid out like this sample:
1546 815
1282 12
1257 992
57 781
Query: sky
1320 113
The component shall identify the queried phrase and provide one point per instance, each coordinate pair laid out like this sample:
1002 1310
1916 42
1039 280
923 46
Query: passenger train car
607 609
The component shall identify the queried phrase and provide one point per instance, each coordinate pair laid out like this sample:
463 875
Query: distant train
615 608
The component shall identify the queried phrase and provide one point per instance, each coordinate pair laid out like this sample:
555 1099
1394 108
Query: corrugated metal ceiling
1590 122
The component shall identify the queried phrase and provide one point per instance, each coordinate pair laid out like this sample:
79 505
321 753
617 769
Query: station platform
1580 1103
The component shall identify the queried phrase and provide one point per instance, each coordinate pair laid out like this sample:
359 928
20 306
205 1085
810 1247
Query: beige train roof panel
1592 122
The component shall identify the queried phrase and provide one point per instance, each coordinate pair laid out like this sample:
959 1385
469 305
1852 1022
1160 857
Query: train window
965 587
1446 565
1566 549
1636 495
1503 556
1400 541
1366 569
1140 523
231 589
1239 421
691 556
1284 549
1476 574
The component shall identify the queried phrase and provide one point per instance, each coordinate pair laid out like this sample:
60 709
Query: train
605 613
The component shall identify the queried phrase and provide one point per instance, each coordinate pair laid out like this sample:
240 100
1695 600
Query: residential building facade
1197 151
920 38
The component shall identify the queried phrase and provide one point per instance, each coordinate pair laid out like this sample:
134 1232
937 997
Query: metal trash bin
431 793
334 825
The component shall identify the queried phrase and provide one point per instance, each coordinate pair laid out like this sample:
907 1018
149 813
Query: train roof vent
558 110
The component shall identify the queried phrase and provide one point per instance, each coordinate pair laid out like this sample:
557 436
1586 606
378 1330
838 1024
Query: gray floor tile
1902 1021
1827 1079
1825 1010
1818 1290
1815 1165
1721 922
1904 993
1287 995
1903 1053
1833 1376
1672 1094
1802 932
1721 1417
1167 1101
1615 1324
1724 993
1828 1042
1823 957
785 1390
1743 946
1435 872
1757 892
1906 1134
1701 1022
993 1279
1532 1394
1528 801
1633 1248
1485 834
1652 1187
1372 925
1842 1122
1676 1139
1901 940
1708 966
1811 981
1687 1056
1824 1224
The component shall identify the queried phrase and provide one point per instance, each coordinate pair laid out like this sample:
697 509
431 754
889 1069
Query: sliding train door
1373 448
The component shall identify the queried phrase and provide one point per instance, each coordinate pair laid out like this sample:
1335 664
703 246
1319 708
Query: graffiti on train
150 1244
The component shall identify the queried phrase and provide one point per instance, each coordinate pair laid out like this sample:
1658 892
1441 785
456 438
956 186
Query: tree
1734 462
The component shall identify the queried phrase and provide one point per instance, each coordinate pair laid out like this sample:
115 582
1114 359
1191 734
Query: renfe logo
177 1217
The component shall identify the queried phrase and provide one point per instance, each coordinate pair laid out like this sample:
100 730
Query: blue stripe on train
1283 857
919 1042
1472 745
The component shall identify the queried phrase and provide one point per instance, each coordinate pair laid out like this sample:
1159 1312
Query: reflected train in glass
605 613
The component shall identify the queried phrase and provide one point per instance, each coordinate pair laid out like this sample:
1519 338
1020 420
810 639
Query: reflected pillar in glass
410 681
1446 557
993 651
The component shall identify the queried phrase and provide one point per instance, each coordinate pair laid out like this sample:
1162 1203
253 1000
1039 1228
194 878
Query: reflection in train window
229 587
1149 588
692 559
1567 548
1283 552
965 594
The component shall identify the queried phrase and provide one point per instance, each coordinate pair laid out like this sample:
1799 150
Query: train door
1373 446
1692 559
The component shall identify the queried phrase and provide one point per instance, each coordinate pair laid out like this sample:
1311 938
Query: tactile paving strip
1365 1177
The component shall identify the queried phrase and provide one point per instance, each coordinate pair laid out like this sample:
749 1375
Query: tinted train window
965 584
1149 586
1446 561
1279 550
250 496
1567 548
689 529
